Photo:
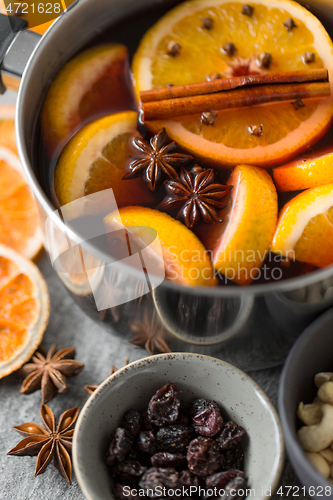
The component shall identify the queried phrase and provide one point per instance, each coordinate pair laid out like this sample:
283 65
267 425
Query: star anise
49 442
92 388
197 195
157 159
149 334
49 372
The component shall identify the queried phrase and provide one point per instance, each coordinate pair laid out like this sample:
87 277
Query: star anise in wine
149 333
198 196
49 442
158 159
49 372
92 388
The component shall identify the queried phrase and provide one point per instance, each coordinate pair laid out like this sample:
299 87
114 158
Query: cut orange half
307 171
24 309
19 222
201 55
7 127
90 85
94 160
241 242
185 258
305 227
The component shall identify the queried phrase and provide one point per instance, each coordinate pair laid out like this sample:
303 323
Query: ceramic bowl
237 394
311 354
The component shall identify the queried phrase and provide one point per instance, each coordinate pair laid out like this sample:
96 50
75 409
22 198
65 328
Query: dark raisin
164 459
231 434
206 417
146 442
174 438
121 492
131 422
204 457
163 408
235 489
183 419
146 424
221 479
120 445
233 458
159 478
128 472
187 479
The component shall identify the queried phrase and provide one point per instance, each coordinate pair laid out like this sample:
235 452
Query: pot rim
229 290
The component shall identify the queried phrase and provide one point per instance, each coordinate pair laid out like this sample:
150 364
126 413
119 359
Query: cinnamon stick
237 98
192 89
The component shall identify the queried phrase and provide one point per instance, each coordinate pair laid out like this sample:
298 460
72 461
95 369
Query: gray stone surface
98 349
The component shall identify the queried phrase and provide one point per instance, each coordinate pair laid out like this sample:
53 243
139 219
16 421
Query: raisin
206 417
121 494
235 489
187 479
129 472
120 445
146 424
159 478
131 422
174 438
231 434
221 479
204 457
163 408
146 442
183 419
233 458
164 459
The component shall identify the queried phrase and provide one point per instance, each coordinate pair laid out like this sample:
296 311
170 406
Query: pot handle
16 46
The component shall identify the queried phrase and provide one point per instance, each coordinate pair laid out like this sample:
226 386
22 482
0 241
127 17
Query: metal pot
252 327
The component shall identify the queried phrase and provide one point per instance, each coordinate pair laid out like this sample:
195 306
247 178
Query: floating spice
173 48
256 130
229 49
247 10
208 118
207 23
198 197
158 159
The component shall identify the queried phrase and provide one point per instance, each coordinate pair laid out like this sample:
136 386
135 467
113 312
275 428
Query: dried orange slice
90 85
305 227
7 127
286 131
307 171
94 160
185 258
241 243
24 309
19 227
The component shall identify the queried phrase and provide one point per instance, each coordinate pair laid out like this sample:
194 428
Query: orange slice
286 131
307 171
185 258
24 309
19 227
90 85
241 243
305 227
95 159
7 127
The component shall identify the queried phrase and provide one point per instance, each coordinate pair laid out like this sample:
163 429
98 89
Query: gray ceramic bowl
311 354
196 375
